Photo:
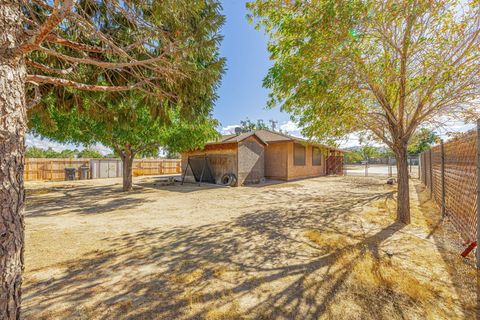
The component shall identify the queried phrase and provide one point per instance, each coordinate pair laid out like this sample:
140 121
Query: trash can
70 174
84 172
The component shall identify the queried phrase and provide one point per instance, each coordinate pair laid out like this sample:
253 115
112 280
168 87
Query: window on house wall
316 156
299 154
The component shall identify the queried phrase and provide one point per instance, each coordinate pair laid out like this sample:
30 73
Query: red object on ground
469 248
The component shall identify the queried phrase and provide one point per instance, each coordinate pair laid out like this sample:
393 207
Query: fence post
424 167
442 176
431 172
390 171
418 165
478 195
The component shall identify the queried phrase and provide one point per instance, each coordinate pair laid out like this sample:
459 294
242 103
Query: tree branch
77 85
48 69
102 64
55 18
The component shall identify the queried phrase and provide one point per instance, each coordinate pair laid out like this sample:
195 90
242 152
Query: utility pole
273 124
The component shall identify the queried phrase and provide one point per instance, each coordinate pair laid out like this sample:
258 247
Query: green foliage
382 66
89 153
368 151
353 156
35 152
126 122
171 109
422 140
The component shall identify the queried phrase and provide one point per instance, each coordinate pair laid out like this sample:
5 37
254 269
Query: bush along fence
451 173
54 169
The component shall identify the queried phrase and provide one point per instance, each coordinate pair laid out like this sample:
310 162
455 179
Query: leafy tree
50 153
353 156
422 140
164 49
126 125
34 152
385 67
368 152
89 153
67 153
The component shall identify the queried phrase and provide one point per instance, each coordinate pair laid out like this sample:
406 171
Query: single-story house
263 154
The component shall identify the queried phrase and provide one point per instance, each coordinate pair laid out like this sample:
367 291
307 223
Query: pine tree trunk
127 162
12 149
403 195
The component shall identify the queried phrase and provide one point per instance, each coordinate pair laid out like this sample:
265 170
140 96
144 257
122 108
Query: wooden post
478 195
442 175
51 170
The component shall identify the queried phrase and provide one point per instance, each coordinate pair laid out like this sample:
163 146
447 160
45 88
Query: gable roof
267 136
234 138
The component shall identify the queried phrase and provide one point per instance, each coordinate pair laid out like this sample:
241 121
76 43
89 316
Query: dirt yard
323 248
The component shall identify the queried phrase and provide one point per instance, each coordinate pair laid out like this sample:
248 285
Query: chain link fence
380 167
450 173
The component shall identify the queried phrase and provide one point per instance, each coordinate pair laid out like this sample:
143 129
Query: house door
334 165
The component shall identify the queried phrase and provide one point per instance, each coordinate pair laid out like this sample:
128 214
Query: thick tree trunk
127 162
403 195
12 149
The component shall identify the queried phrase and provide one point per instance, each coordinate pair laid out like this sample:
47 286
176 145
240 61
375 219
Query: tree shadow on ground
82 200
460 270
256 265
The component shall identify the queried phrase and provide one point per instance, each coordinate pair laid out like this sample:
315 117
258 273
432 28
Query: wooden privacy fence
450 173
54 169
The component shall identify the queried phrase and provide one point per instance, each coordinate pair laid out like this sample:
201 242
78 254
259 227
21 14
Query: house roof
266 136
234 138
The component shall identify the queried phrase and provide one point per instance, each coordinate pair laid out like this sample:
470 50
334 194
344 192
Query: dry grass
187 277
376 281
232 312
328 240
316 249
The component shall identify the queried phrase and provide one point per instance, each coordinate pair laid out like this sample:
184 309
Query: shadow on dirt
259 260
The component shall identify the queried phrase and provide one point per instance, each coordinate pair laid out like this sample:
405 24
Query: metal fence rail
381 167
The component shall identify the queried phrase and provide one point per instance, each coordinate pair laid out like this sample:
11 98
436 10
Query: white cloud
291 128
230 129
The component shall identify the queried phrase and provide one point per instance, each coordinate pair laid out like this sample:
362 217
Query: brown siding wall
251 161
276 160
306 171
222 160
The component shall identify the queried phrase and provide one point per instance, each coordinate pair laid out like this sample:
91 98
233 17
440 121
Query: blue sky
241 94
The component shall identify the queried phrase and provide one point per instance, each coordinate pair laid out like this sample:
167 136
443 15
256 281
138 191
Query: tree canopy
125 121
382 67
422 140
172 100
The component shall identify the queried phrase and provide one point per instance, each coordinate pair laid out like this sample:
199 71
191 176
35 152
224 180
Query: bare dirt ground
323 248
